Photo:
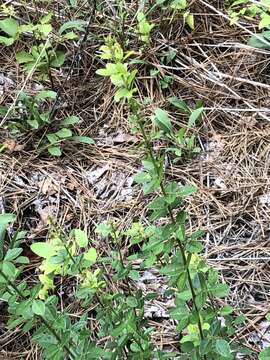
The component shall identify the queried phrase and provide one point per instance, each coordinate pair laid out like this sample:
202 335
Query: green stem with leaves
44 321
162 188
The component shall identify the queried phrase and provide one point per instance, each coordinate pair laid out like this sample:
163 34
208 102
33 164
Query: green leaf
83 139
122 93
179 4
70 36
55 150
58 59
134 275
43 249
64 133
12 254
46 94
260 41
180 104
171 192
9 26
46 19
187 190
219 290
7 41
190 21
110 70
135 347
194 116
22 260
132 301
185 295
162 120
265 21
23 57
142 178
9 269
7 218
240 319
265 354
159 208
81 237
194 247
104 229
226 310
223 348
73 24
38 307
91 255
45 29
33 123
52 138
70 120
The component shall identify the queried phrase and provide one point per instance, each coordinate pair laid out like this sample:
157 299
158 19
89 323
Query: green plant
59 258
34 114
117 69
194 284
179 6
250 10
165 81
32 308
184 139
260 41
44 55
144 28
65 134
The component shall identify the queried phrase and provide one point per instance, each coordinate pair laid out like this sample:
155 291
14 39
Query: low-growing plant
45 54
204 325
165 81
144 28
250 10
33 308
184 138
178 7
34 113
117 69
194 285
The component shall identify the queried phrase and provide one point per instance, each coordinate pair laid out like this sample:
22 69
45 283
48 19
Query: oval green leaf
162 120
80 237
38 307
43 249
223 348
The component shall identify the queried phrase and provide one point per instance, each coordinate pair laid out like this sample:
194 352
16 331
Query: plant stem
182 250
49 327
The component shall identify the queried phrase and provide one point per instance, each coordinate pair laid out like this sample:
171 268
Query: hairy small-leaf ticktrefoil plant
250 10
144 28
179 7
32 308
32 113
166 245
60 258
45 54
117 69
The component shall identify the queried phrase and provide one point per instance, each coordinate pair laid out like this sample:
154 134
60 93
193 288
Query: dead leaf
124 138
47 186
12 146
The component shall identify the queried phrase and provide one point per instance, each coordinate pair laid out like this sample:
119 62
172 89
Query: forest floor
91 184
